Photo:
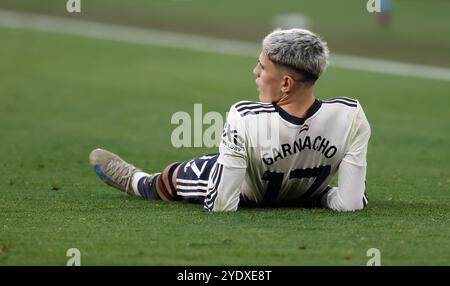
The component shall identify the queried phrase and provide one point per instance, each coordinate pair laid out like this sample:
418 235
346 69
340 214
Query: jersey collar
297 120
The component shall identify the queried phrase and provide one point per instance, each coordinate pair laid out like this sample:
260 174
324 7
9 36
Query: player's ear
287 84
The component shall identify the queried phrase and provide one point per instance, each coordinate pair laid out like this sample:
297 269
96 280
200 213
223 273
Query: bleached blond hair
298 49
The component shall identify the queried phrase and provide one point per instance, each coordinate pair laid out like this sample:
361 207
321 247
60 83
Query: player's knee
168 179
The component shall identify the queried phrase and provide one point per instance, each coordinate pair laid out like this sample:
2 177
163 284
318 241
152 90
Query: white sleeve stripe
199 194
365 200
209 191
218 170
186 188
214 171
193 182
212 193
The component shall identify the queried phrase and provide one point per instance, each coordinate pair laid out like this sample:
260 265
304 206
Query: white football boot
113 170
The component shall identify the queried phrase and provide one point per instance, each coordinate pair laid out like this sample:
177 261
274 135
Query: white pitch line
198 43
390 67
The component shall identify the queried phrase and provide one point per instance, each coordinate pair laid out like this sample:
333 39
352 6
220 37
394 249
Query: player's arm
227 177
223 193
350 193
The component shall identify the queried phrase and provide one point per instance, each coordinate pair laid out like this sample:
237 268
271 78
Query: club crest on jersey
305 127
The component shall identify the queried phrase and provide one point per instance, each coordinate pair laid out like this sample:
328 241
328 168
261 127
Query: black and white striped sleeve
228 174
223 188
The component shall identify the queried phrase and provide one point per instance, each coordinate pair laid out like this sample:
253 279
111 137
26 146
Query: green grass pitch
61 96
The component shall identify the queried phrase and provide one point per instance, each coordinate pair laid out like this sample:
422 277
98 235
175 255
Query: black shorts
192 178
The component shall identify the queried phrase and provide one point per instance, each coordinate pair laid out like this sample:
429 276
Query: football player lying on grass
314 139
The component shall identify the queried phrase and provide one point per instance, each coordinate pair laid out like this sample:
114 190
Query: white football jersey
290 160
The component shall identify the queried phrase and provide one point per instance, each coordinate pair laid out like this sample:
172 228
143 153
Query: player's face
268 79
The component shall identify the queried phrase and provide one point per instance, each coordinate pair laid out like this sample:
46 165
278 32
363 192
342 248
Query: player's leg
117 173
186 181
191 178
157 186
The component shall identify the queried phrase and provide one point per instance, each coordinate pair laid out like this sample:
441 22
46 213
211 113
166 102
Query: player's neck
297 104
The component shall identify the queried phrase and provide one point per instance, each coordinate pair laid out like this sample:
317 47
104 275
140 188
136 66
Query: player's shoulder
347 107
246 108
341 102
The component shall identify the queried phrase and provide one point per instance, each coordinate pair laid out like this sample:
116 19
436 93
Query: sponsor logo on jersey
231 139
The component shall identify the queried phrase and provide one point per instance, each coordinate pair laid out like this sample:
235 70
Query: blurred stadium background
62 95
